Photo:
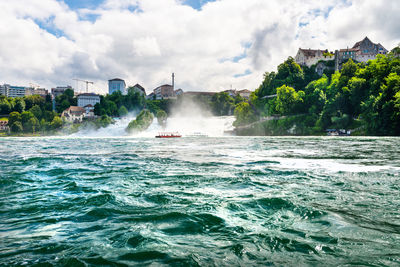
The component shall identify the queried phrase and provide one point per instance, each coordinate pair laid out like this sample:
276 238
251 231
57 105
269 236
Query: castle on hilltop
362 51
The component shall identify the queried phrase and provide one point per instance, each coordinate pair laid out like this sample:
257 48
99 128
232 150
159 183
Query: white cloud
144 41
146 47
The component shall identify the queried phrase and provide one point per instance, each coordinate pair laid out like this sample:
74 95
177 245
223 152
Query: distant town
320 61
87 101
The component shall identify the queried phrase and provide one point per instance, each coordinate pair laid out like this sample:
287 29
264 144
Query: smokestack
173 81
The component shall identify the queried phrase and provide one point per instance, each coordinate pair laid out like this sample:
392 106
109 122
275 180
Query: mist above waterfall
186 117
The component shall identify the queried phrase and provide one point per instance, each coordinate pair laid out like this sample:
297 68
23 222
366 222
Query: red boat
168 135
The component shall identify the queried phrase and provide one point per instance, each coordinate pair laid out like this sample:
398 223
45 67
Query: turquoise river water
227 201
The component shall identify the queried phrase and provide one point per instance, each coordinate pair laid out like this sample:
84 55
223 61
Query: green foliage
359 95
290 73
56 123
33 100
288 101
33 112
244 114
122 111
19 104
36 111
382 111
222 104
104 121
141 123
25 116
16 127
295 125
327 54
31 125
315 96
162 117
111 104
44 125
5 106
65 100
14 117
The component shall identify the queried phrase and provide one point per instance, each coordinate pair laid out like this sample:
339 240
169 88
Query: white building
3 90
73 114
89 111
309 57
13 91
88 99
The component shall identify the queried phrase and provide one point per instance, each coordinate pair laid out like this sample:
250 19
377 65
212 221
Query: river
206 201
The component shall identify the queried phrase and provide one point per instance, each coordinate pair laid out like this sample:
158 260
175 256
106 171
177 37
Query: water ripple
284 201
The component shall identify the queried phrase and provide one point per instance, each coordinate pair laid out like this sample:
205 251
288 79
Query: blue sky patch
247 72
76 4
48 25
196 4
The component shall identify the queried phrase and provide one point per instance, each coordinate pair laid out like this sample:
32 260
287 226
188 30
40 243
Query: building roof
75 109
359 42
88 106
116 79
165 85
139 86
349 50
244 91
311 52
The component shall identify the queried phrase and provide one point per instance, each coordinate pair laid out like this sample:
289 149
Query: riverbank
296 125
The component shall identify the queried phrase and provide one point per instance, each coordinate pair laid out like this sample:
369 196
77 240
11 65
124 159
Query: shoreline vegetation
363 98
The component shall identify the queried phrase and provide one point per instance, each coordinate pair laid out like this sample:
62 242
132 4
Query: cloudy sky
210 45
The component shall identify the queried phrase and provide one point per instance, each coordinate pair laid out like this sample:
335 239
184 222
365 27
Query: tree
69 93
16 127
358 91
14 117
105 121
64 105
36 111
19 105
290 73
44 125
244 114
141 123
65 100
33 100
5 106
31 125
122 111
222 104
49 115
315 96
288 100
162 117
25 116
56 123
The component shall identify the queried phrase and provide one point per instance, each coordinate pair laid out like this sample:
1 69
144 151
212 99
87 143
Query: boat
168 135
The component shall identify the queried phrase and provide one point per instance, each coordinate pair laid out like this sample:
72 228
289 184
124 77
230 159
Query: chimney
173 81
